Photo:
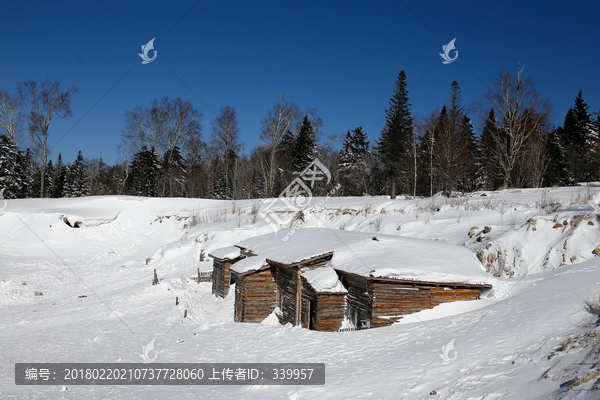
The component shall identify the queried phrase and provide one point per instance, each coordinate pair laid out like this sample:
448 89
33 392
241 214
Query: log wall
359 297
255 296
221 276
287 283
395 299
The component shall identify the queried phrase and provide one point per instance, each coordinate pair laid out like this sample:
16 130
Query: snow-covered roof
253 263
411 259
324 279
356 252
301 244
226 253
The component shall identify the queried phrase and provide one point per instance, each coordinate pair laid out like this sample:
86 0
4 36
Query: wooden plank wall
221 276
255 296
360 294
330 311
218 277
286 291
391 299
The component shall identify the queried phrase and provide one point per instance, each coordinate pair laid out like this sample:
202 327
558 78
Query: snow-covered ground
529 338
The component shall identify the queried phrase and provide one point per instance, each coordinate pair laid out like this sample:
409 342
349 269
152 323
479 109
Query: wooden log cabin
325 279
222 277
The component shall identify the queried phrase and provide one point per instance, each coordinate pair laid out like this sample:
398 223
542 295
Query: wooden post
155 280
198 275
185 314
298 298
176 301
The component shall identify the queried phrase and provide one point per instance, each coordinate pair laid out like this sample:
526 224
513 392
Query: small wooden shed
222 277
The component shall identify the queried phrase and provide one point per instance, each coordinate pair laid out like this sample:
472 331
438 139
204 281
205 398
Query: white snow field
528 338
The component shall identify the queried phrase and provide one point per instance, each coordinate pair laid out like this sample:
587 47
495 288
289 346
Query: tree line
165 154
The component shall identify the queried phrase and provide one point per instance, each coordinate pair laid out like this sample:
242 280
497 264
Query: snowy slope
523 341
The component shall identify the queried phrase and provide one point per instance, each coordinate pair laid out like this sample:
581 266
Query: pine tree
492 175
305 146
49 180
557 172
61 178
580 138
76 183
173 174
455 152
143 175
220 188
354 162
470 163
28 171
394 145
10 177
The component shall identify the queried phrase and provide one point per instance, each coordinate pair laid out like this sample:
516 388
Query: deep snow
524 340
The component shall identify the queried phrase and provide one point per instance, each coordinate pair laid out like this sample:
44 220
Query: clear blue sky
341 57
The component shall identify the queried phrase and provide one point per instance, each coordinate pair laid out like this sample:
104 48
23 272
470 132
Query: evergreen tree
455 151
49 180
581 139
492 174
28 171
61 178
143 175
470 163
305 146
394 145
10 176
354 162
557 172
76 184
220 188
173 174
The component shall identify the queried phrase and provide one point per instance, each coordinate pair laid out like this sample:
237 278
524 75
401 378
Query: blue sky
341 57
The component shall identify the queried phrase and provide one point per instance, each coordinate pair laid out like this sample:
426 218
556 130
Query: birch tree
11 118
43 102
282 118
520 111
167 124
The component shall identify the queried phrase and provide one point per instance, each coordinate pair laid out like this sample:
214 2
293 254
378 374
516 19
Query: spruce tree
490 163
354 162
305 146
76 183
49 180
10 177
394 144
61 178
143 175
173 174
557 172
28 171
580 138
470 178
